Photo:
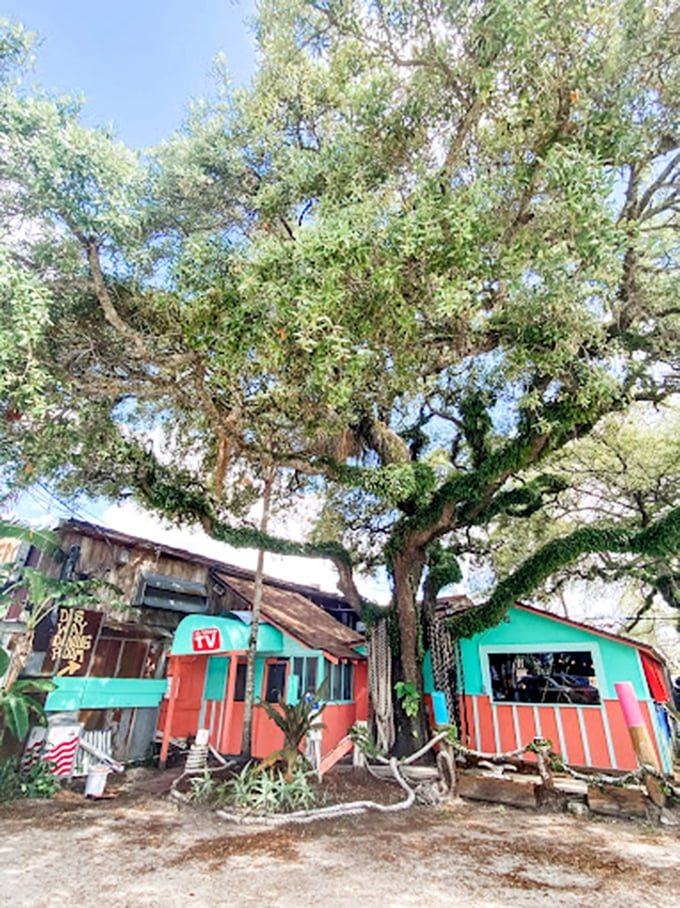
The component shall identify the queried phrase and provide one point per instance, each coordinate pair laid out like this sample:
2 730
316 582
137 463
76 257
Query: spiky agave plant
295 720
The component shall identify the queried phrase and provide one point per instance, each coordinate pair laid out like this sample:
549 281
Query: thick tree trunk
249 696
19 656
407 572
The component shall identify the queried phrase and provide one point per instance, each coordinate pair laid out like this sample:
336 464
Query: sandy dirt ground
142 850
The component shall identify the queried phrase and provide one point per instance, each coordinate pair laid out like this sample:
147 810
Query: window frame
548 647
330 671
285 663
306 660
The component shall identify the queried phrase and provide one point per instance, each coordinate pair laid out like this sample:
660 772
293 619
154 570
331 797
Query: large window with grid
340 677
305 669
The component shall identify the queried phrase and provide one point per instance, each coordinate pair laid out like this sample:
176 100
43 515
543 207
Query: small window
276 681
340 678
347 677
240 687
305 669
563 676
336 685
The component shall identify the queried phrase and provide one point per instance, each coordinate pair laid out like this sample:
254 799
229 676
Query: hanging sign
206 640
72 645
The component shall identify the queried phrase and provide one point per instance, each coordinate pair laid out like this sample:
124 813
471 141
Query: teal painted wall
216 678
428 679
614 661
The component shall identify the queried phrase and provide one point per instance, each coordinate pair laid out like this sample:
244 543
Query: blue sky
138 62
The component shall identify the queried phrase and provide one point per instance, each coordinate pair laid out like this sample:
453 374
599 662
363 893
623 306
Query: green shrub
264 792
38 781
256 791
204 790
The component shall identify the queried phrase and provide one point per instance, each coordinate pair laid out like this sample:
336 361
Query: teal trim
104 693
523 631
233 636
441 713
216 678
428 677
293 690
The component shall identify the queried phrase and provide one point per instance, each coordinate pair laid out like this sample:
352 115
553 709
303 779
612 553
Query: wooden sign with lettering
71 647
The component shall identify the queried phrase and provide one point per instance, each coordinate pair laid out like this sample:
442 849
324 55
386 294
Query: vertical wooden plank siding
361 691
484 719
494 725
467 732
572 737
582 735
515 726
623 749
549 730
527 723
229 708
608 735
593 720
507 734
562 748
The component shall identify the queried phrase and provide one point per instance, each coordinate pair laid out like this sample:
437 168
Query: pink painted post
629 704
639 736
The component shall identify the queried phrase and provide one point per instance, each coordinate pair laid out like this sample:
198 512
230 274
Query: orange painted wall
506 728
548 720
623 747
483 736
267 737
597 741
191 670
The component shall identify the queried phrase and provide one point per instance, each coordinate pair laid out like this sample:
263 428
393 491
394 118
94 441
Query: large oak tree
430 245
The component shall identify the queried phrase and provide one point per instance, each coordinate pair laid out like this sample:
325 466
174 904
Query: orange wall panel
573 740
597 742
506 728
527 727
623 747
485 720
548 720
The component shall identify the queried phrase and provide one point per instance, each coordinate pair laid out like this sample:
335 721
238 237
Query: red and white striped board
61 746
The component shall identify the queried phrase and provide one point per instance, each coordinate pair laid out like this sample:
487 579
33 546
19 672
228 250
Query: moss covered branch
660 539
179 496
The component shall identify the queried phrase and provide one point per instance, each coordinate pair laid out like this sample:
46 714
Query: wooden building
298 646
110 662
539 675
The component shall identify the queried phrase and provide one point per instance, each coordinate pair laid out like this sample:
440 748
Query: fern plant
262 792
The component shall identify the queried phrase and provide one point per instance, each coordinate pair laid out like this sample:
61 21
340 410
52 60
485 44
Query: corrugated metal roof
299 617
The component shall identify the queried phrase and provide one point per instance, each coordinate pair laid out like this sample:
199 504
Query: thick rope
444 669
380 685
332 812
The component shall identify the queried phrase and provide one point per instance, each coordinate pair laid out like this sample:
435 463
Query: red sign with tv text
206 640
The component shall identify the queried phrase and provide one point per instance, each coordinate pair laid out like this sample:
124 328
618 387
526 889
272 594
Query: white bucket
96 781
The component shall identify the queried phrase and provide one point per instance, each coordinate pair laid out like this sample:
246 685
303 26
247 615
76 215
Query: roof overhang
207 635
